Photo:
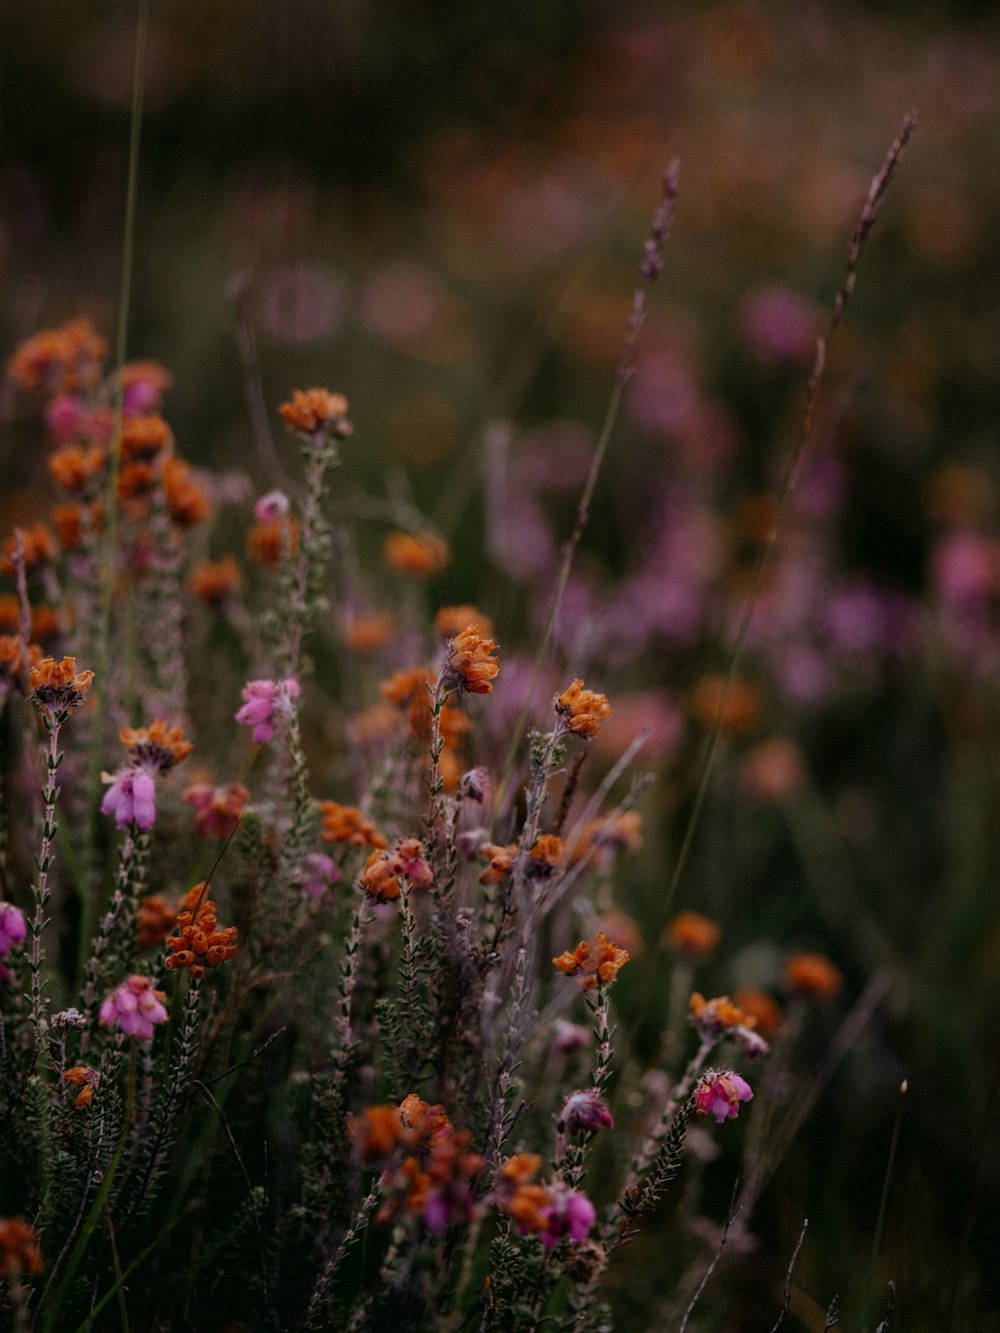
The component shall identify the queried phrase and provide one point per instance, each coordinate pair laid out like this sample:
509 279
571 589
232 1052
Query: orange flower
19 1251
75 466
268 543
471 663
367 631
376 1132
346 823
451 620
84 1078
70 521
417 555
201 943
757 1005
693 934
583 709
155 918
742 710
186 500
812 974
378 880
156 746
316 412
500 859
59 360
57 686
718 1013
38 548
217 810
144 383
593 963
545 855
143 437
12 662
600 839
134 480
215 582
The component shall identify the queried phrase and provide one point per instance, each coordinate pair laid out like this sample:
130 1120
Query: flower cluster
471 665
131 797
596 962
813 975
346 824
716 1018
380 877
552 1212
582 710
416 555
86 1079
316 412
57 687
200 943
427 1171
19 1252
136 1007
217 810
693 935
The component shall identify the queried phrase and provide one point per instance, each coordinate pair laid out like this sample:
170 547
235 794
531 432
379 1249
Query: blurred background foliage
438 209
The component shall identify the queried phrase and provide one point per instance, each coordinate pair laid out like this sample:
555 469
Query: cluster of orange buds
186 499
471 665
500 862
59 360
451 620
217 810
75 466
19 1252
86 1079
693 935
346 824
157 748
215 581
145 437
717 1018
38 547
600 839
275 539
383 869
143 384
13 663
582 710
155 918
417 555
200 944
428 1170
57 687
553 1212
596 962
812 975
316 412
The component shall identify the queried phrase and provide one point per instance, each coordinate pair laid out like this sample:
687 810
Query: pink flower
408 860
12 927
568 1213
136 1007
272 506
266 704
721 1094
131 798
586 1113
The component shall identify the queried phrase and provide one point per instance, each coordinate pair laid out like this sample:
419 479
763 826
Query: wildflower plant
395 1088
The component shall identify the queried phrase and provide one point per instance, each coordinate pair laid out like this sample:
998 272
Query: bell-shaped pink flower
721 1094
136 1008
131 798
13 927
266 705
568 1214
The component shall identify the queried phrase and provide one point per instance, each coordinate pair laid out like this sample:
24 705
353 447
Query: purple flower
586 1113
320 872
266 704
131 798
721 1094
568 1214
12 927
136 1007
